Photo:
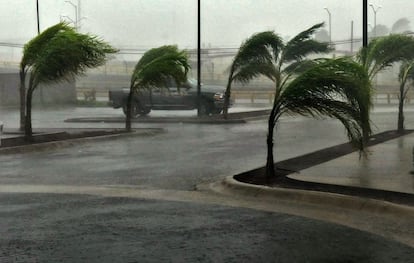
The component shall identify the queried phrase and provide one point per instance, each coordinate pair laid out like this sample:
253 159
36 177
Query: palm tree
59 54
251 61
406 74
152 70
30 53
383 52
265 54
336 88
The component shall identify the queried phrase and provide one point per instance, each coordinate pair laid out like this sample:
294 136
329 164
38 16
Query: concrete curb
71 142
231 186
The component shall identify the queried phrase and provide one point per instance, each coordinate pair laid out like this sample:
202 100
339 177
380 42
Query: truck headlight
218 96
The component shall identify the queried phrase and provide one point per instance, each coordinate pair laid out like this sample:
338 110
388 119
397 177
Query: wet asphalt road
68 228
83 228
180 158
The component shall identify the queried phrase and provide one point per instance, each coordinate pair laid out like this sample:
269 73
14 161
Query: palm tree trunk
22 99
128 113
28 132
270 163
400 125
227 96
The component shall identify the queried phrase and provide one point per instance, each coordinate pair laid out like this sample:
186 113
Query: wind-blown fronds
67 55
303 45
254 58
254 69
31 50
338 88
257 48
157 64
57 54
170 65
383 52
153 69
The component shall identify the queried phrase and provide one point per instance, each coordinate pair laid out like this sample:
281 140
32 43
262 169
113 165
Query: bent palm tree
59 54
338 88
153 68
30 54
265 54
383 52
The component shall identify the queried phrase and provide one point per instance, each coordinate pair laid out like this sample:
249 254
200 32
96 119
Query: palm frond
261 47
383 52
159 64
68 54
155 53
303 45
254 69
298 67
338 88
258 46
33 48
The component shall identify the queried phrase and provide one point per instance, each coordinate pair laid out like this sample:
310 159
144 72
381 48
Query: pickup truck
170 97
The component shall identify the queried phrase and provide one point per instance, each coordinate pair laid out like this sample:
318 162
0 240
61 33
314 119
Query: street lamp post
330 25
198 58
76 13
375 9
364 23
37 14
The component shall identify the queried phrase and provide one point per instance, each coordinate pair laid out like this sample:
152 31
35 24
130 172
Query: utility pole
42 101
352 37
38 20
375 10
364 23
330 26
198 59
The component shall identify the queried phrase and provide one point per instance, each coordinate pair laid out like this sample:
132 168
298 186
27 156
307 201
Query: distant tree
402 25
379 30
153 68
58 54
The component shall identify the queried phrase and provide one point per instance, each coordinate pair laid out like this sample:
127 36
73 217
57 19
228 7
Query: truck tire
137 109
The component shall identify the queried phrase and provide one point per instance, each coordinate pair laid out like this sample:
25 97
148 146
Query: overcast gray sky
225 23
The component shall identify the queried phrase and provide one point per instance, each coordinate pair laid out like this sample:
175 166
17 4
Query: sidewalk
388 167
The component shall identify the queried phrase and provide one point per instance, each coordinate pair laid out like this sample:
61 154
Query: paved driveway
133 200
